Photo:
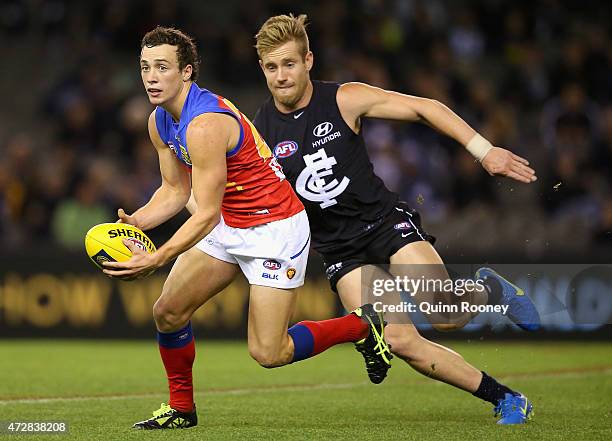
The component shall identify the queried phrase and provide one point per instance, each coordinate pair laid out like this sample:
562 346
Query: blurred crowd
535 77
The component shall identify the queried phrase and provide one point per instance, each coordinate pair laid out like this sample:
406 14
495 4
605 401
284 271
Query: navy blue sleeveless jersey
328 166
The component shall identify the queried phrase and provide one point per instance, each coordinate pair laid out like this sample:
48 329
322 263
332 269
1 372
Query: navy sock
492 391
177 339
303 342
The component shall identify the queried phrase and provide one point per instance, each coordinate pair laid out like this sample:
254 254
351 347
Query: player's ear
261 65
187 71
309 60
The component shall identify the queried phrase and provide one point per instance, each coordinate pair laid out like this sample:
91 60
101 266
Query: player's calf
403 343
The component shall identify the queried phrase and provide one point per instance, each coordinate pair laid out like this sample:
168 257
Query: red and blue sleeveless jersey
256 191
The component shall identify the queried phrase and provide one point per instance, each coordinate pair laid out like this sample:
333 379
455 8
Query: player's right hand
125 218
502 162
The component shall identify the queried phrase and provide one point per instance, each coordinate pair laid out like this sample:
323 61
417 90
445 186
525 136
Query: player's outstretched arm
170 197
208 138
357 100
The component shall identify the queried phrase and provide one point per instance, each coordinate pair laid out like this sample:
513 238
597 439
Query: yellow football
103 242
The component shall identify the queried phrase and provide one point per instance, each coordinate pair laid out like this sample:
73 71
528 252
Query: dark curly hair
186 51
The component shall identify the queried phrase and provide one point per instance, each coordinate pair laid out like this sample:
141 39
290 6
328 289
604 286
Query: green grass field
101 388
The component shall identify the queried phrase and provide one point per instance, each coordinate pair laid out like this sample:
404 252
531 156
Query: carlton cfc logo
323 129
285 149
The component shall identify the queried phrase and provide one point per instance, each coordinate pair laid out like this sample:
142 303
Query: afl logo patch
290 273
402 226
271 265
284 149
323 129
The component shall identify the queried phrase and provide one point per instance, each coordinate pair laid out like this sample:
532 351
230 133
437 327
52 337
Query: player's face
161 76
287 73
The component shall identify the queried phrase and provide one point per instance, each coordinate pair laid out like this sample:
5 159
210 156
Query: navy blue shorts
401 227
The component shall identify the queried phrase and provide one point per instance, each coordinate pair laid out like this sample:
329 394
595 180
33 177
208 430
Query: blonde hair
282 29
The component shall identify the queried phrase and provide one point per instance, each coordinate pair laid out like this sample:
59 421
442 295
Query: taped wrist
478 147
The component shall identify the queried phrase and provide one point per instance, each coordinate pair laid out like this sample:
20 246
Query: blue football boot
521 309
513 409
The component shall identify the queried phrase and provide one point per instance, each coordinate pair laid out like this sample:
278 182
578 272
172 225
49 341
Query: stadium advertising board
66 300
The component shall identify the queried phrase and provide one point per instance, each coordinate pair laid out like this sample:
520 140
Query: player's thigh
194 279
418 253
350 289
420 261
364 285
270 310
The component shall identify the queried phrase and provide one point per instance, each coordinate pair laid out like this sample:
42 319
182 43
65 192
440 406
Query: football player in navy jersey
357 224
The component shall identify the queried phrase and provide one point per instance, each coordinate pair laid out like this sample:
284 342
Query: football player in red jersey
247 219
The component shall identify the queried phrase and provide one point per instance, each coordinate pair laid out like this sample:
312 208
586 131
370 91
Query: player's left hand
141 264
502 162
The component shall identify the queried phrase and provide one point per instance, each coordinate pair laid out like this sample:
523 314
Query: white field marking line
222 392
305 387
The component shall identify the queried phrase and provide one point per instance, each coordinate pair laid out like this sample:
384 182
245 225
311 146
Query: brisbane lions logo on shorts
284 149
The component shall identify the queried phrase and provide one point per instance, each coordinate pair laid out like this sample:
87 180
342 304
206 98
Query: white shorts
273 254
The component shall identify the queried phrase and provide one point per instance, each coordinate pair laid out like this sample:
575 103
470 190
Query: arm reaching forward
357 100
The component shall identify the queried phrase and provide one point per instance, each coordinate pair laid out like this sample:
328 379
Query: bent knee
167 317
